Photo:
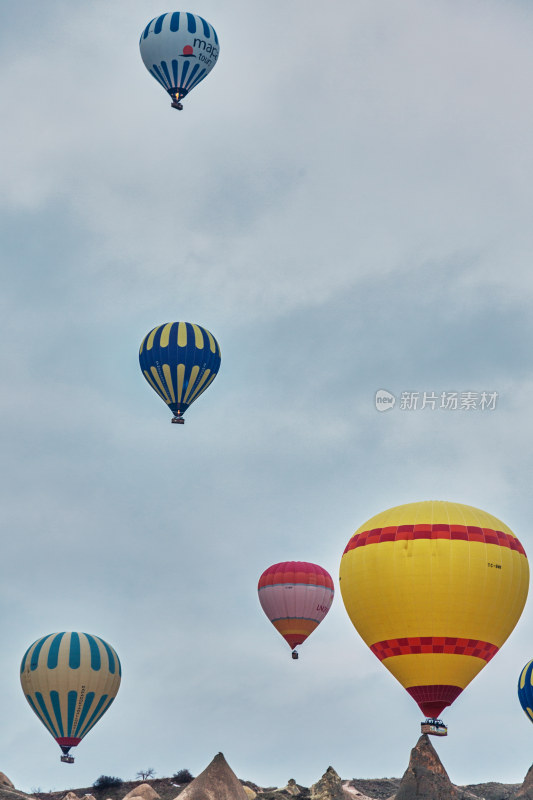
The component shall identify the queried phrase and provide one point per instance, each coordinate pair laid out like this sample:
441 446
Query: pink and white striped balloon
295 596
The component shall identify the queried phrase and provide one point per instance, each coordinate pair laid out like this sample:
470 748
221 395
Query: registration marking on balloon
79 707
434 589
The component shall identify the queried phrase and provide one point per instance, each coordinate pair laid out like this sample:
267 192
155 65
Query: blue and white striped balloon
179 50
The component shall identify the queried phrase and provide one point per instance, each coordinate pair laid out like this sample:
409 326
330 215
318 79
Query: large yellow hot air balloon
434 589
70 679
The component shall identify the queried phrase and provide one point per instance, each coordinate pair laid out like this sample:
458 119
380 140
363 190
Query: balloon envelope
295 596
525 690
70 679
179 360
179 50
434 589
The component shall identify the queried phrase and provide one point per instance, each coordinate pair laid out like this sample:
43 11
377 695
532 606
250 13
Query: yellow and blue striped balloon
70 679
179 360
525 690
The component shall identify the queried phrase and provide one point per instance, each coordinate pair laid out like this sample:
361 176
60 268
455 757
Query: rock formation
292 788
525 792
216 782
329 787
351 793
143 791
4 781
425 778
292 791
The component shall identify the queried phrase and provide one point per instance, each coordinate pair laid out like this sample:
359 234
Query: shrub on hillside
182 776
106 781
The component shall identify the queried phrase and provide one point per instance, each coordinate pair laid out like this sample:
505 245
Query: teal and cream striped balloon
70 679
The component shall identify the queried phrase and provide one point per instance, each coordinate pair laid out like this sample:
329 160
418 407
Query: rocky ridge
424 779
526 790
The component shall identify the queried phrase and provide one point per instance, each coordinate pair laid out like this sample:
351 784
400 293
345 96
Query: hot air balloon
295 596
525 690
70 680
179 50
434 589
179 360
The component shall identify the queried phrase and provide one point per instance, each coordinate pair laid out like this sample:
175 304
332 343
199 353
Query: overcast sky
346 204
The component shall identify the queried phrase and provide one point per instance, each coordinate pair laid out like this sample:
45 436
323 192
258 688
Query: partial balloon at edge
179 360
179 50
295 596
525 690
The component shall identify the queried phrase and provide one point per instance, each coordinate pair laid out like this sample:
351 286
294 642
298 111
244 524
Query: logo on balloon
384 400
187 50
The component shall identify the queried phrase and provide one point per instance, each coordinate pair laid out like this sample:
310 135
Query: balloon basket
178 421
434 727
294 655
67 759
176 97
